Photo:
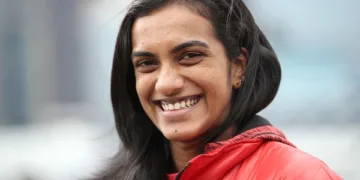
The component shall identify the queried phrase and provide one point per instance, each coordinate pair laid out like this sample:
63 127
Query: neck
183 152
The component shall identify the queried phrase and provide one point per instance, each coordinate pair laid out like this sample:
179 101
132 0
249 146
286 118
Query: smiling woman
188 79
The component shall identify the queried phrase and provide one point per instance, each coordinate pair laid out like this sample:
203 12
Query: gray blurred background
56 121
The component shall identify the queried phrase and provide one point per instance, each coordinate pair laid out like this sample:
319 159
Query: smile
180 104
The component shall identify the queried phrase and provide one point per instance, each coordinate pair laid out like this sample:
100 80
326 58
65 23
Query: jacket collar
232 151
257 128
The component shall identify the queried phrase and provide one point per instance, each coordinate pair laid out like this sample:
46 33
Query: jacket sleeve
325 173
313 169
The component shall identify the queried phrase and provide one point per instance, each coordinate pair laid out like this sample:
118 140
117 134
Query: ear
238 66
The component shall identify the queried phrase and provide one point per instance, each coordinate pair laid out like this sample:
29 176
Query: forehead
172 24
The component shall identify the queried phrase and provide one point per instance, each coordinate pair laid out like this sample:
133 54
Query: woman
188 78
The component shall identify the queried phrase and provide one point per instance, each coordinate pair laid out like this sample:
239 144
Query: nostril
169 88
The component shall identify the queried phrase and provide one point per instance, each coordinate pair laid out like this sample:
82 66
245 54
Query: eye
191 55
191 58
145 63
146 66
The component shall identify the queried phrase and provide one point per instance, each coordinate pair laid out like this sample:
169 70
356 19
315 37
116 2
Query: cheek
217 89
214 81
143 89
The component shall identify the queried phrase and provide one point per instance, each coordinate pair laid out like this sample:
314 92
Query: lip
180 113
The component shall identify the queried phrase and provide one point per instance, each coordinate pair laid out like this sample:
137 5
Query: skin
176 55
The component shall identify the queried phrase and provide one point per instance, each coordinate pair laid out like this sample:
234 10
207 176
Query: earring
239 82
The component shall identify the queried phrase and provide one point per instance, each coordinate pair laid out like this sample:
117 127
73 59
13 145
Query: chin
180 135
177 136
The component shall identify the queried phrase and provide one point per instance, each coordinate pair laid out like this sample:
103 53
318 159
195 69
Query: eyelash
141 63
191 55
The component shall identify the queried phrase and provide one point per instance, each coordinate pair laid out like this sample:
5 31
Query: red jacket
261 153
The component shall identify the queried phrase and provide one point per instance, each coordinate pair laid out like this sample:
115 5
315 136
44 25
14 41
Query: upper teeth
186 103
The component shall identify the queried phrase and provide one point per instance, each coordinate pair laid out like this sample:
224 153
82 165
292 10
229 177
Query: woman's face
183 77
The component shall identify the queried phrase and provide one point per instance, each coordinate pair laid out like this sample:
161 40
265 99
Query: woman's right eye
146 65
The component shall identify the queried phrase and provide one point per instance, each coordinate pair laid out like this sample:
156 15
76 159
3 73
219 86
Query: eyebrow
142 54
189 44
174 50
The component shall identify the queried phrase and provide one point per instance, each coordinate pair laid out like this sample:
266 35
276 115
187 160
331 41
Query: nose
169 81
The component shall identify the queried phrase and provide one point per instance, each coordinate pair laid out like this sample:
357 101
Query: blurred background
56 121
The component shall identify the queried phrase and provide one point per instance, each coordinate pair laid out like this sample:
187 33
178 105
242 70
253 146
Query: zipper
178 176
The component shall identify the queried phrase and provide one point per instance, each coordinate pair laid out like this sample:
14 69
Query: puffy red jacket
261 153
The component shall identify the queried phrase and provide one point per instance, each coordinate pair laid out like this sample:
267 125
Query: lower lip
180 112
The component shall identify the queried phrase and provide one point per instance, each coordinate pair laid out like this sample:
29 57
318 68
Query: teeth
188 103
183 104
171 107
166 107
179 105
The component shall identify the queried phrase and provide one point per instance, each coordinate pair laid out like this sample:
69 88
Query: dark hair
145 152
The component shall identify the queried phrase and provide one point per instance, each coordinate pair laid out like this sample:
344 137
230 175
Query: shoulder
289 162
